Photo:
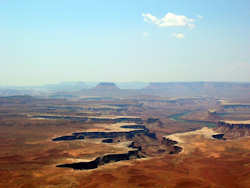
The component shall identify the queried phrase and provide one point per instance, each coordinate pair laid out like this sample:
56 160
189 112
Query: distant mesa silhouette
107 86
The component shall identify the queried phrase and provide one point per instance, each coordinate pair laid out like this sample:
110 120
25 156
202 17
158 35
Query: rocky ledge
102 160
171 143
234 124
92 119
234 129
140 129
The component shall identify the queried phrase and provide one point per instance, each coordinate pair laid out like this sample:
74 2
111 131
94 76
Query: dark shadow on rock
219 136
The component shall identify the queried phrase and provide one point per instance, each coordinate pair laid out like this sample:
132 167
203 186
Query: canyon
124 141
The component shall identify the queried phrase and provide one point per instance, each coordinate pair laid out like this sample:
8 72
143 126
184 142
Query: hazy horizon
48 42
94 83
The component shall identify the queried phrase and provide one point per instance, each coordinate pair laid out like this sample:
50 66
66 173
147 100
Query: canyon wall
234 129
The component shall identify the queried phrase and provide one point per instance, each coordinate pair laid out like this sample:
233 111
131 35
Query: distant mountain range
132 88
74 86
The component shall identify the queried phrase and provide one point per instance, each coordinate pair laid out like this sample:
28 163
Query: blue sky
45 41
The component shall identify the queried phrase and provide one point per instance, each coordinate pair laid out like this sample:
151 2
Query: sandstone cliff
234 129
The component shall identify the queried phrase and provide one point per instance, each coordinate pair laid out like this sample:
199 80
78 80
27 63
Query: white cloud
169 20
178 35
199 17
146 34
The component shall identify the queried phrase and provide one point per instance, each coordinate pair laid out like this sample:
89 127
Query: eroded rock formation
171 143
102 160
140 129
143 143
234 129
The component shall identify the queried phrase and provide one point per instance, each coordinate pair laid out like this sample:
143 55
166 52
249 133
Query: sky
45 41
